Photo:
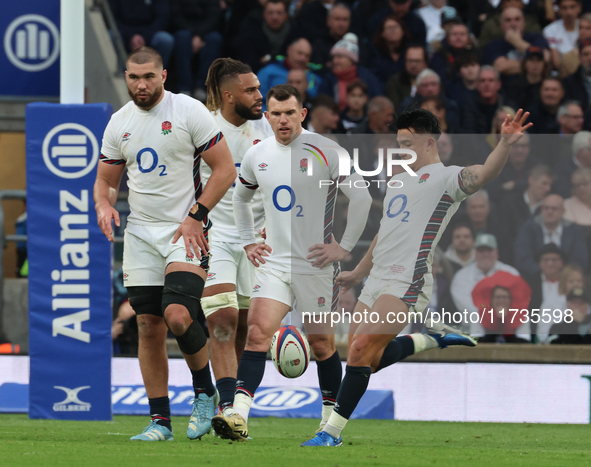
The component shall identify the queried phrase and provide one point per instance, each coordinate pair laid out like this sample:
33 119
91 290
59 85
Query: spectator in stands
324 117
445 148
355 112
525 87
258 45
577 330
570 118
477 116
401 9
297 58
144 23
403 84
500 298
545 287
544 112
194 23
464 89
515 174
577 85
562 34
380 113
431 16
444 61
345 55
478 217
313 18
386 55
486 264
338 23
506 53
571 277
493 29
549 227
516 207
437 107
461 251
581 157
299 80
571 60
577 208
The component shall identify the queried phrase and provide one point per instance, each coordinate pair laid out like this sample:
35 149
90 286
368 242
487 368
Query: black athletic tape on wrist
201 213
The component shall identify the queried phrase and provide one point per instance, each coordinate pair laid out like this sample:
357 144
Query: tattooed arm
476 176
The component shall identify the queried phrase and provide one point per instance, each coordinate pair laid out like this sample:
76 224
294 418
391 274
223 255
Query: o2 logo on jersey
281 204
147 161
70 150
32 42
390 212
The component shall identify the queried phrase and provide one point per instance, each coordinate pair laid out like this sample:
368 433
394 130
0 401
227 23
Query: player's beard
146 103
247 113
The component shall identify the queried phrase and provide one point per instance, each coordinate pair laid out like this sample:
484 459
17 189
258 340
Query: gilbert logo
72 402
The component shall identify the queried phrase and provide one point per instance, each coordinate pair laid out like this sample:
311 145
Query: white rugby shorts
375 287
147 250
312 293
230 265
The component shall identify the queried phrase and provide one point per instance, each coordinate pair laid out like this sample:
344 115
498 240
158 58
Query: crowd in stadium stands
470 62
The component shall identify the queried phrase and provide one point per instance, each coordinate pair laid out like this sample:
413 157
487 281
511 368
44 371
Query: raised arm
106 186
476 176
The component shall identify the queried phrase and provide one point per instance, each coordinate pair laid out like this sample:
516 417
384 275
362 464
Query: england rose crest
166 128
304 165
321 302
423 178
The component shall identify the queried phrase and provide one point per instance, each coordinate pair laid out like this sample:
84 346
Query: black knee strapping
183 288
193 340
146 300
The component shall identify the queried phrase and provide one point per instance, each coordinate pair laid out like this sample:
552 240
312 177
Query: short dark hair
558 2
143 55
283 2
552 248
327 102
416 45
466 58
283 92
463 225
540 169
437 102
357 84
419 121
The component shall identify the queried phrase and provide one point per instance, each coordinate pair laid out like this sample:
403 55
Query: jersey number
291 203
401 210
146 158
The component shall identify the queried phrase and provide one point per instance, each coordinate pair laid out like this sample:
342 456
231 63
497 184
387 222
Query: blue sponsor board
282 402
29 56
70 308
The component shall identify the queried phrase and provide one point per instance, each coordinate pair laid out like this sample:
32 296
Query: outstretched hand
512 129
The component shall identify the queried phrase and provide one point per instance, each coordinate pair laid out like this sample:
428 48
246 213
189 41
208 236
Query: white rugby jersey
298 211
413 221
239 139
161 149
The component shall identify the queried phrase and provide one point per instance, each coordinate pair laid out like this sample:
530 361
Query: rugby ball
290 352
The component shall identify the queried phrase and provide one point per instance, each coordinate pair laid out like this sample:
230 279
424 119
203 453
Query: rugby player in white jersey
161 138
297 260
399 260
234 99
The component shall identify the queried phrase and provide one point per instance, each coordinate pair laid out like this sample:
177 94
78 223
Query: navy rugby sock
202 381
250 371
330 374
398 349
160 411
352 389
226 388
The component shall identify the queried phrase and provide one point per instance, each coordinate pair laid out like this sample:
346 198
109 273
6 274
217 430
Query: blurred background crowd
523 243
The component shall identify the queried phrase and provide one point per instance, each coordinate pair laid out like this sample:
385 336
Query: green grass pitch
41 443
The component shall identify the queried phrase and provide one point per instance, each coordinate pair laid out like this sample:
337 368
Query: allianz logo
72 402
284 398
